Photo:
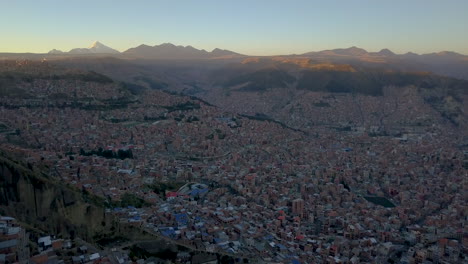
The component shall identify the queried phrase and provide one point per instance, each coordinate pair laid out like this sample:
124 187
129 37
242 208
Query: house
83 249
8 246
57 244
39 259
44 243
67 244
94 257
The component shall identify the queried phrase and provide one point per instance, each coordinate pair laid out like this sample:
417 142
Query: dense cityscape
233 132
212 180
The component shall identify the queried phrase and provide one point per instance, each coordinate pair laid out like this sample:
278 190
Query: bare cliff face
49 205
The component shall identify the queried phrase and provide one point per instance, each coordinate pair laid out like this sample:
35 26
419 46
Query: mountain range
445 63
238 82
163 51
95 48
171 51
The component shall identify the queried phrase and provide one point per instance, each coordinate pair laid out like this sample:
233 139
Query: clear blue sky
259 27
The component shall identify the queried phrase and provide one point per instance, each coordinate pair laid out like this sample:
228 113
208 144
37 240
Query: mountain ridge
143 49
171 51
447 63
95 48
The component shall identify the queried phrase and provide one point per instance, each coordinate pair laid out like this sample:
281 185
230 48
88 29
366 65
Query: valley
282 160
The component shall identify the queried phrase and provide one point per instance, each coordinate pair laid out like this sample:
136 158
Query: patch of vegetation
137 252
380 201
201 100
130 199
161 187
109 154
92 199
191 119
343 129
118 120
3 127
106 241
187 106
156 118
263 117
179 118
378 134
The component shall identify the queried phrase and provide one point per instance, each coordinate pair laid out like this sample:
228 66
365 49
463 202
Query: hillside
47 204
133 155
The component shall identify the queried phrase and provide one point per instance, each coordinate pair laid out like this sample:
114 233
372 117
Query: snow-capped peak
98 47
95 48
95 44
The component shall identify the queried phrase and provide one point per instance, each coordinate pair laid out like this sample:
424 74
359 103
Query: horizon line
201 49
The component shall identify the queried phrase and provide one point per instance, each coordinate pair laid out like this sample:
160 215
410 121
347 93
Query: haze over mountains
446 63
171 51
232 80
238 82
122 126
100 48
95 48
163 51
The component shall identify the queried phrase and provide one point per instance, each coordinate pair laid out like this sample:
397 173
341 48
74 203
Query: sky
252 27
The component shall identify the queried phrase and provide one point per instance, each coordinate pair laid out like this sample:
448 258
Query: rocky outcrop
49 205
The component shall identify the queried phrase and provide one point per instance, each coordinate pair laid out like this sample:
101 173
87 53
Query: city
252 189
219 132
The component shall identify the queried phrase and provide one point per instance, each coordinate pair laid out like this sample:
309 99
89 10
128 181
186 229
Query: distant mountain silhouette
352 51
222 52
359 52
444 56
170 51
446 63
95 48
56 51
385 52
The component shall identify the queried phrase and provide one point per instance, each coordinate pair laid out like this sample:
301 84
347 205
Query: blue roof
168 232
281 246
181 218
295 261
224 246
196 192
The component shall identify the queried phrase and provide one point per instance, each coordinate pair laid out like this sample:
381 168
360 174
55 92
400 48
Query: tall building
298 207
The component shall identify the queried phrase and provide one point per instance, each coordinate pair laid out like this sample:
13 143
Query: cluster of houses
258 189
